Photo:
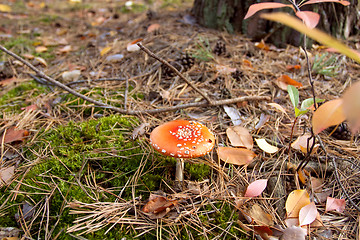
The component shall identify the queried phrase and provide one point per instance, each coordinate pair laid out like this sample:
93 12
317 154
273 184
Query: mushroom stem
179 175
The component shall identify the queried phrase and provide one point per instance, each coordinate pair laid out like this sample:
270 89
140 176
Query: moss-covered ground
92 161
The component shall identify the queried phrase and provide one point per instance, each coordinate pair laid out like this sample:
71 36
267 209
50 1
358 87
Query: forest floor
72 169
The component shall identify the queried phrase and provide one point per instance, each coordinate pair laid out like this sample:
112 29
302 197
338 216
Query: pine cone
186 60
169 73
220 48
341 132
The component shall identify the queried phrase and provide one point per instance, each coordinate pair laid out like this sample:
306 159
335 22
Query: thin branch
206 103
151 54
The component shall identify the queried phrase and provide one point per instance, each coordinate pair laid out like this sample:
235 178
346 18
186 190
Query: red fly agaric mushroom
182 139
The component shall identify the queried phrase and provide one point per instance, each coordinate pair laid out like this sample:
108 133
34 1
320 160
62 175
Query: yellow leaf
240 137
296 200
265 146
105 50
329 114
351 106
236 156
314 33
5 8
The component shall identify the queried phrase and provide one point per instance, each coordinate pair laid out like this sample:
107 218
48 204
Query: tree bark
228 15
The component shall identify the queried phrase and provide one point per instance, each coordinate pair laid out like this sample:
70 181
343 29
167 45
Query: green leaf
293 94
309 102
301 112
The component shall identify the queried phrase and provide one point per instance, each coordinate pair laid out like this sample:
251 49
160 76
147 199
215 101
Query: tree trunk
228 15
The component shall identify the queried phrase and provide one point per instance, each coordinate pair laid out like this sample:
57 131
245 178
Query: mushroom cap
182 139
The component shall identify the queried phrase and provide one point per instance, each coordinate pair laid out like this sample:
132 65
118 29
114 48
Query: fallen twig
175 71
97 103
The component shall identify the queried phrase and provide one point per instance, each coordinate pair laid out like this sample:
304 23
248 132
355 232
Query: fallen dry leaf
278 107
105 50
236 156
335 204
41 49
240 137
260 216
234 115
5 8
296 200
140 130
256 188
263 119
265 146
301 143
158 204
293 67
262 45
6 174
247 63
14 135
69 76
40 60
294 233
284 80
65 49
307 214
328 114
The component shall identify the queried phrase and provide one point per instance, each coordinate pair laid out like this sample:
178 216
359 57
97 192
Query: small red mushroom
182 139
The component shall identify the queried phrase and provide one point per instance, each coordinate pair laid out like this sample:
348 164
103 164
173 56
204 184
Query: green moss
19 44
198 172
48 18
69 154
75 162
20 96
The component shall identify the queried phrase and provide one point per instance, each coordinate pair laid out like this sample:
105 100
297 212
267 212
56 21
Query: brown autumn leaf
284 80
240 137
6 174
236 156
262 45
293 67
328 114
14 135
247 63
158 204
296 200
260 216
351 106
